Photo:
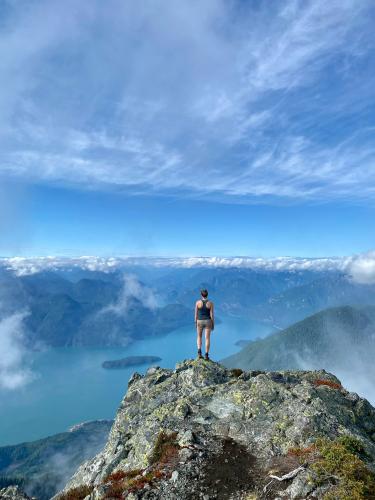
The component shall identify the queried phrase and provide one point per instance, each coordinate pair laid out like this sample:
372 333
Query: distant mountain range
235 291
42 467
295 303
78 307
334 339
275 297
98 311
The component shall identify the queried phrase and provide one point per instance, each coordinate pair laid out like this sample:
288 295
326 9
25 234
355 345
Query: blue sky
187 127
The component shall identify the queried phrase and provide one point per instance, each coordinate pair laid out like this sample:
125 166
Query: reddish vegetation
148 478
301 452
164 456
77 493
170 453
121 483
333 385
165 447
119 475
116 490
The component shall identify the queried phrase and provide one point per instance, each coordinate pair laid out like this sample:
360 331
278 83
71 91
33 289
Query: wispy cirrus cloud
268 99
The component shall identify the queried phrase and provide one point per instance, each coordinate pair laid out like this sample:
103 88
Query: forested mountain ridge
109 309
88 312
41 467
322 339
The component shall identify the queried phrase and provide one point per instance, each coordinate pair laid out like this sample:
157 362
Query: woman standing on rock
204 320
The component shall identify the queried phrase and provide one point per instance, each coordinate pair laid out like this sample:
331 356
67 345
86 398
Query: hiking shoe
206 357
200 354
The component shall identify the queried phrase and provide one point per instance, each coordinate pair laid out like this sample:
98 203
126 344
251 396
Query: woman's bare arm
212 315
196 313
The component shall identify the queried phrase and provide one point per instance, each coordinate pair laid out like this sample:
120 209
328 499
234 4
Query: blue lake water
70 386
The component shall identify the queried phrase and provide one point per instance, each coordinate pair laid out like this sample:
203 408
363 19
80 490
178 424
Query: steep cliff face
203 431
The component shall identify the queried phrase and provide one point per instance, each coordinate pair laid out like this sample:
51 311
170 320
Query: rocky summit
202 431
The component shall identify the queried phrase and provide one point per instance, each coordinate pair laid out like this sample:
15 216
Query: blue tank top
204 311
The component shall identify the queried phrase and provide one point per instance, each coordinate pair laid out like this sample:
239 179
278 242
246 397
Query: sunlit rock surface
204 431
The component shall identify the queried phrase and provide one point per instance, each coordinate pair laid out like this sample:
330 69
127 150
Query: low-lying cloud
23 266
14 371
362 268
132 289
349 358
359 268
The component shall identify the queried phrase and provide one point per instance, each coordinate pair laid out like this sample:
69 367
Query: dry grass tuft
165 452
121 474
116 490
303 455
165 448
302 452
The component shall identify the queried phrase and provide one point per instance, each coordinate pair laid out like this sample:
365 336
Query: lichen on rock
228 429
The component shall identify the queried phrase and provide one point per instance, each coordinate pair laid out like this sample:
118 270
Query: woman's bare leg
208 334
199 337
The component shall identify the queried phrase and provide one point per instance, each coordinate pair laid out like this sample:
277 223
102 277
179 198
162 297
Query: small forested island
129 361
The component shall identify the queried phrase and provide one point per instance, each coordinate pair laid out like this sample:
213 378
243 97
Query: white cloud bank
362 268
359 268
29 265
14 371
22 266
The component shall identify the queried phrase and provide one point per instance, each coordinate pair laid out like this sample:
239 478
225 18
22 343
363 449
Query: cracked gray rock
216 413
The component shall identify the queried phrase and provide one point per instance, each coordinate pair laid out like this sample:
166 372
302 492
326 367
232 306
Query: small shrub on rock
303 454
343 469
353 445
121 483
78 493
165 448
116 490
121 474
329 383
236 372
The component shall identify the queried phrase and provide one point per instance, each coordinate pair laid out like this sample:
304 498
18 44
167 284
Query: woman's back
204 307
